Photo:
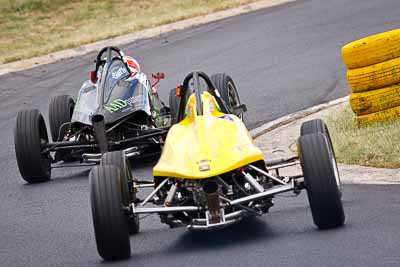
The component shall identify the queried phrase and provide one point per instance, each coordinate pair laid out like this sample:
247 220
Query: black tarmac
283 59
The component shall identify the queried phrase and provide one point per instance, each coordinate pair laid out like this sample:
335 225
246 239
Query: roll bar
99 62
199 105
108 49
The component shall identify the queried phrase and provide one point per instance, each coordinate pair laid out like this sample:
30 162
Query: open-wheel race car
118 109
210 173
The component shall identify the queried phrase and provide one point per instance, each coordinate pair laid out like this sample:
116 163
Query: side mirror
157 77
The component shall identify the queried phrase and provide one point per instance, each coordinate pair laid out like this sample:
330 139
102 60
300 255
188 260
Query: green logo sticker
118 104
115 105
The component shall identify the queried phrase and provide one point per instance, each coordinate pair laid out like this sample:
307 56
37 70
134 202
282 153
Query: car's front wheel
30 139
119 160
321 180
319 126
109 218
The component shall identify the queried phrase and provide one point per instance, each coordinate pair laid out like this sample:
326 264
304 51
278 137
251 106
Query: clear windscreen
124 93
117 72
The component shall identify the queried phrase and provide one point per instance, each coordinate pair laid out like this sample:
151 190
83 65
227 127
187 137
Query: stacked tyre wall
374 77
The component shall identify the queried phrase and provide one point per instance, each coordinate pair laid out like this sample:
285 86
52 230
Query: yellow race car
210 173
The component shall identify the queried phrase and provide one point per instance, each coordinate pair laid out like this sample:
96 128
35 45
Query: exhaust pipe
170 196
210 189
100 131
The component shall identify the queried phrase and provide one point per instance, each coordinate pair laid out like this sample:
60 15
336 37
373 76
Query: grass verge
377 145
35 27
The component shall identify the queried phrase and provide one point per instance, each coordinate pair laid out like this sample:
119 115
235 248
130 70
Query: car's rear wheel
228 91
60 112
319 126
118 159
174 105
30 138
320 180
109 219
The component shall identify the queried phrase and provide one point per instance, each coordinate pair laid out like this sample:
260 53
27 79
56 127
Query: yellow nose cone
207 145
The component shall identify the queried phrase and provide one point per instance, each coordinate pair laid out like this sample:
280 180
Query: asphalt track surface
283 59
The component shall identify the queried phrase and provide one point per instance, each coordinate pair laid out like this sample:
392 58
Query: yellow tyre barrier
375 76
372 50
384 115
373 101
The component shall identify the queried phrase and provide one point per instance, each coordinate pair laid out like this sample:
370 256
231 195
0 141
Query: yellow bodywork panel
207 145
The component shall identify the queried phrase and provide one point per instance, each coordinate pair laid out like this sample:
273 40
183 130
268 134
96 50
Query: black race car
117 109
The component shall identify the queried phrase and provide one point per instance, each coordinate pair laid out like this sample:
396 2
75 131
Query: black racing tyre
319 126
174 105
313 126
228 91
109 219
60 112
321 180
118 159
30 135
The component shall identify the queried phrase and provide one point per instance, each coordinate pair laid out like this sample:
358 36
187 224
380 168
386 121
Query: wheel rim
336 172
45 156
233 98
71 111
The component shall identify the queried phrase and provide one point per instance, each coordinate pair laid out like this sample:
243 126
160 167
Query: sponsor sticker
117 74
119 104
226 117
